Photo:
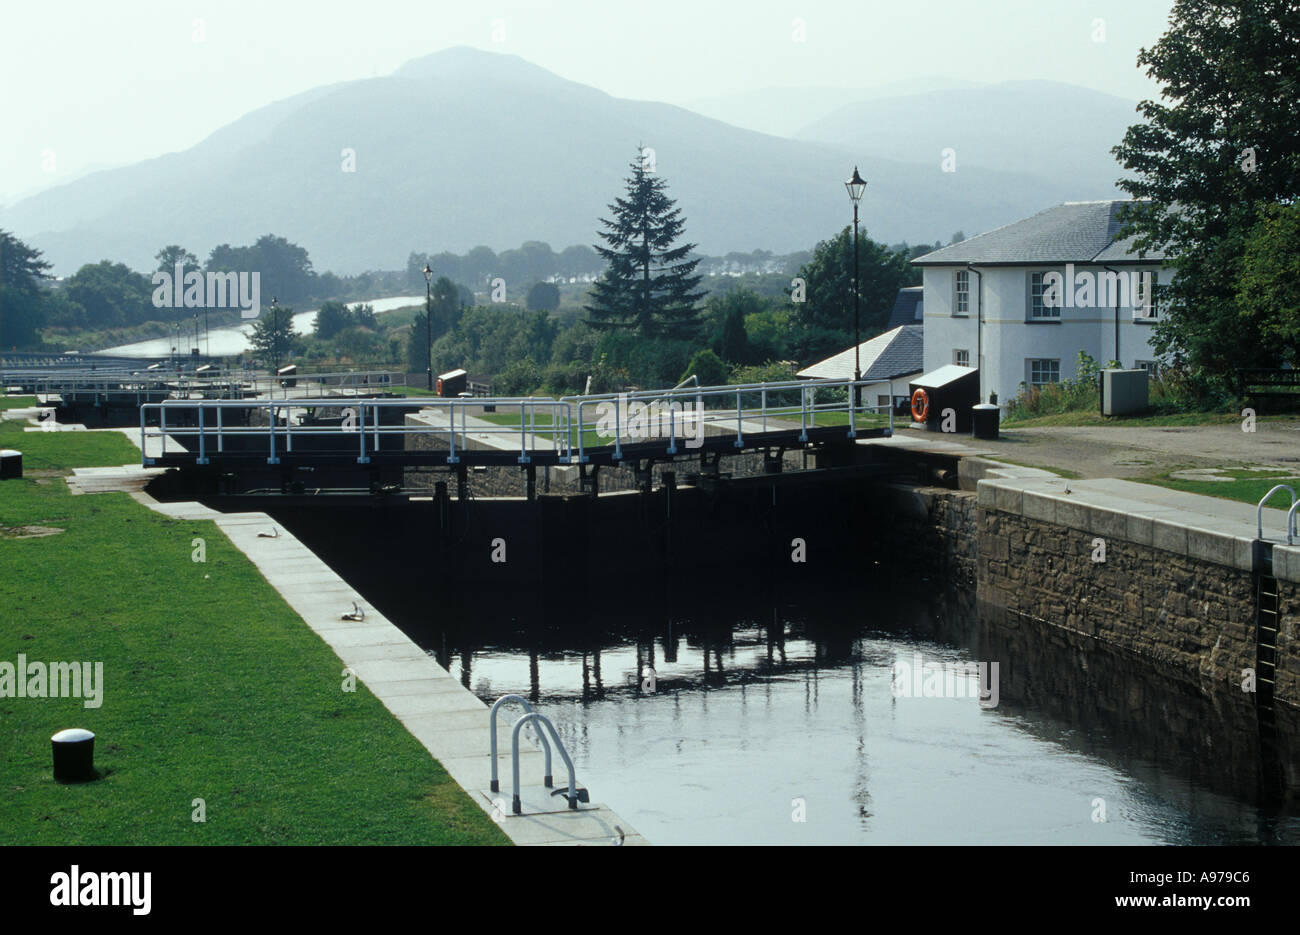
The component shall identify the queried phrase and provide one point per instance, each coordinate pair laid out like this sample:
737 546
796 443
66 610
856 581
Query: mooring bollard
11 463
74 755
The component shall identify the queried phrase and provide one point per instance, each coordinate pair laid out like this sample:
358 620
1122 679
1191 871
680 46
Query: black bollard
74 755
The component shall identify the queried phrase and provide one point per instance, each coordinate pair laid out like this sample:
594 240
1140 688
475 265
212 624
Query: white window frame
1029 370
1037 311
1140 310
961 356
961 292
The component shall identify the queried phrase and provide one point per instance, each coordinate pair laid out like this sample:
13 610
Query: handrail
532 432
574 794
1291 521
1259 509
492 734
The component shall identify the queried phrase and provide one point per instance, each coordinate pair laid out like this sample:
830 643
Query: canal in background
233 340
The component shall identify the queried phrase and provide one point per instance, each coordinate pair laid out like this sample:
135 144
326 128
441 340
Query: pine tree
649 285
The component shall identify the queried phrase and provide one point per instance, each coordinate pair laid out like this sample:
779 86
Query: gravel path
1102 451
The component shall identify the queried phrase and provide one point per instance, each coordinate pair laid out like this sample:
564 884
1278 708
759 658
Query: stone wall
1183 612
927 528
1194 615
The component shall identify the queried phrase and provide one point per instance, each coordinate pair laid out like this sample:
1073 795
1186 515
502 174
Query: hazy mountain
784 111
465 147
1057 132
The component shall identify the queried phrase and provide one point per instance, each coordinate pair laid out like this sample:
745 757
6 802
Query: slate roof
907 307
1073 232
895 353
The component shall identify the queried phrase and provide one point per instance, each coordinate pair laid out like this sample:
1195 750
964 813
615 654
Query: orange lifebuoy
920 405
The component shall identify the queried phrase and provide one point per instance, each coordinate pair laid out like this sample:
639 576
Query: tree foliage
1211 158
824 321
21 273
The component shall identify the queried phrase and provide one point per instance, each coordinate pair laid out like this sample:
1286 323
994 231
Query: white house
1021 301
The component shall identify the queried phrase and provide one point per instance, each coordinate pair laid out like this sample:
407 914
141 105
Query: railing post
740 435
803 413
221 442
361 414
203 448
271 416
853 428
525 414
451 434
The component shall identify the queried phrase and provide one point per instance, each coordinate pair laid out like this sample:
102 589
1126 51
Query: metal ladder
1266 627
573 794
1267 604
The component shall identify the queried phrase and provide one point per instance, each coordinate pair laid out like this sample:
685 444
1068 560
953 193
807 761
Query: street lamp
275 335
428 319
855 187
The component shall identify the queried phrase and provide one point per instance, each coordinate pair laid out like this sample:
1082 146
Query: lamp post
428 320
275 336
855 187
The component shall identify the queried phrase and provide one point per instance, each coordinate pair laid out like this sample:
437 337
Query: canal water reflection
704 719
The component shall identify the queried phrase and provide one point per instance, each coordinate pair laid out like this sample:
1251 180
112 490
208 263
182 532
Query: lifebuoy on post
920 405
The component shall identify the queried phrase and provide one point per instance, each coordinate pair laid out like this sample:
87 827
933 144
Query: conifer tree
648 286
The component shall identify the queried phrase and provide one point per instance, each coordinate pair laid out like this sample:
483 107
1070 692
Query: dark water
775 697
749 716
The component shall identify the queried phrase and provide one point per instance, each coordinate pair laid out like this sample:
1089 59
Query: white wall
1009 337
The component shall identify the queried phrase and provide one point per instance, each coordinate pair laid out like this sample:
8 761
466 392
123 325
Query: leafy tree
824 321
364 316
707 367
768 333
1220 146
332 318
648 285
725 313
578 260
21 272
172 254
1268 290
112 294
285 267
273 336
478 266
543 296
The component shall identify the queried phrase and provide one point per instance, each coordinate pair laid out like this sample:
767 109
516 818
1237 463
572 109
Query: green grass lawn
1245 486
213 688
17 402
52 451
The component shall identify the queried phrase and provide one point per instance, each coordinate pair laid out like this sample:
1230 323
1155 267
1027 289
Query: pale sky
91 84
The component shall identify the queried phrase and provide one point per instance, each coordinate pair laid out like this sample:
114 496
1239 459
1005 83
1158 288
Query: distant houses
1020 302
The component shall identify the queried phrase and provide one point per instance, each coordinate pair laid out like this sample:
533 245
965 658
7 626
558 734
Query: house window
1038 310
961 358
1043 372
962 304
1147 308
